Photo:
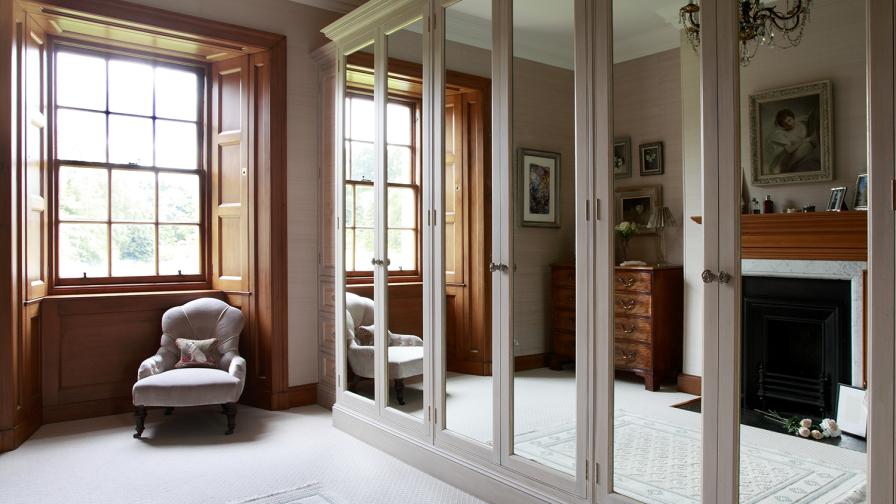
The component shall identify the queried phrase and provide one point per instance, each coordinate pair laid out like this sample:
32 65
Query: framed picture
861 198
539 176
651 155
636 204
622 158
852 410
790 134
838 197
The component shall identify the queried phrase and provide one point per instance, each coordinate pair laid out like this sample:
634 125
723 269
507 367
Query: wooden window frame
364 277
138 283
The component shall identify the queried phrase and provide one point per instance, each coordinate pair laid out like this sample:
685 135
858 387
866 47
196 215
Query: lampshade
661 217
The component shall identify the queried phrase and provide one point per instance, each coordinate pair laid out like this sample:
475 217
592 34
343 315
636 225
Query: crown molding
371 14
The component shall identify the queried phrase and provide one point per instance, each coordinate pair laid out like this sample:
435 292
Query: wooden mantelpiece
829 236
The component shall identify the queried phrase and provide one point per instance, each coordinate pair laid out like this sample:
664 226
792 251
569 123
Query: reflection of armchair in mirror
405 352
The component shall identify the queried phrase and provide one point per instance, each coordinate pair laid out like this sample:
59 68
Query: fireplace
796 343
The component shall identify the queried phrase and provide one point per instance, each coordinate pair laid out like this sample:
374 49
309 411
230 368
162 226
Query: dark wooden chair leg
168 411
139 420
230 411
399 391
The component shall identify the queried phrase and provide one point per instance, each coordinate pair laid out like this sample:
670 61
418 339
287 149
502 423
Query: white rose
806 422
804 432
817 434
830 428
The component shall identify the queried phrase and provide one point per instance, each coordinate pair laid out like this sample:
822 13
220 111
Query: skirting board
690 384
527 362
302 395
490 484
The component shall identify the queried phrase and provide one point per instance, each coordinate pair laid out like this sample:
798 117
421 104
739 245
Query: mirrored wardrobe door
547 329
406 184
465 213
656 291
803 356
359 228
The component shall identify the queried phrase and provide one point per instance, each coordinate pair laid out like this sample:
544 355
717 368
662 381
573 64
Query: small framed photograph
539 181
838 198
861 198
622 158
852 410
651 158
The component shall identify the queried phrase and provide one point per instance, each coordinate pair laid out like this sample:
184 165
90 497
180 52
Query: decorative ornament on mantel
760 24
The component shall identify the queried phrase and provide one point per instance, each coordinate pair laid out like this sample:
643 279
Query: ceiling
543 29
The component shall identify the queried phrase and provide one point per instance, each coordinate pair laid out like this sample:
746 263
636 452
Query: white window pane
80 81
349 250
82 249
133 250
176 145
349 206
81 136
362 120
130 140
363 249
176 94
398 124
399 164
365 209
130 87
402 250
179 250
402 210
83 193
133 196
178 198
362 161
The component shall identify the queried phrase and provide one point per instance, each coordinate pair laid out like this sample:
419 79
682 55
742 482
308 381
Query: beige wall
647 108
301 25
543 119
833 48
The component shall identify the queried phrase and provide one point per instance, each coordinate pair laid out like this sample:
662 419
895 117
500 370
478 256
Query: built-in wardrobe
472 184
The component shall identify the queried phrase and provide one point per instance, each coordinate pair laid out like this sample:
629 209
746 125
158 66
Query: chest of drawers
647 325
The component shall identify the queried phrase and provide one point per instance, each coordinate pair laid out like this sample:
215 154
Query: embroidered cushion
197 353
364 335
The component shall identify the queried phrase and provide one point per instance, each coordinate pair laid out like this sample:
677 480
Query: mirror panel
466 218
656 286
405 184
803 132
544 237
359 158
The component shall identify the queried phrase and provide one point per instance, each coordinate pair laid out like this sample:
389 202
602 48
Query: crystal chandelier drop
760 24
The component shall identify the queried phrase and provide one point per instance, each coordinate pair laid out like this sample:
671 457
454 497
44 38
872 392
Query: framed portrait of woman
790 134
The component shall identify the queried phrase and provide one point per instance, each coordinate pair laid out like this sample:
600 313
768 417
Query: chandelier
759 25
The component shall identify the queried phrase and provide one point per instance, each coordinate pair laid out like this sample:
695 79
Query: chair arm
236 365
159 363
404 340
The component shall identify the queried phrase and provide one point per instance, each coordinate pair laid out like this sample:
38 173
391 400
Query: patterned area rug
305 494
658 462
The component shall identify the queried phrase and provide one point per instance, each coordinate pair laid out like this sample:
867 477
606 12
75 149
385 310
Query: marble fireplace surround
827 270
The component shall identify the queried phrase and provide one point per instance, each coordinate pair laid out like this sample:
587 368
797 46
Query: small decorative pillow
364 335
197 353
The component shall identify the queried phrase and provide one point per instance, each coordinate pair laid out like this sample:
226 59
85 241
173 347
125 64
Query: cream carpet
185 459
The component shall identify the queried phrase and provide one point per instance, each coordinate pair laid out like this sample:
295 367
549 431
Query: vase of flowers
625 230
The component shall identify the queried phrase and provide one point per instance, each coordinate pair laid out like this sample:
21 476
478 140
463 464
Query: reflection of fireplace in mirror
796 343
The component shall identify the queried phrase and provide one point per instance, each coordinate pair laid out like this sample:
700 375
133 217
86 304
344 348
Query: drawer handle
628 355
627 304
627 330
626 281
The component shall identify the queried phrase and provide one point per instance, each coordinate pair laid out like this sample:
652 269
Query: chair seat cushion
187 387
405 361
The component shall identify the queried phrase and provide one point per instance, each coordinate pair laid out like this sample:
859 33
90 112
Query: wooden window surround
61 283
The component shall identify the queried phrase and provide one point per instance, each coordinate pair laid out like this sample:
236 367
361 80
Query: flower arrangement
626 230
804 427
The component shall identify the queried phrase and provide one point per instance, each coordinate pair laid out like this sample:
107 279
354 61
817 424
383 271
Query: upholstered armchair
405 350
162 382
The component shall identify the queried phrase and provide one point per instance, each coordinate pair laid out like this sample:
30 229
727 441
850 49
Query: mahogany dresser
647 320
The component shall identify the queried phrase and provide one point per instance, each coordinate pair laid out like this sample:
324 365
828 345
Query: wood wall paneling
92 346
